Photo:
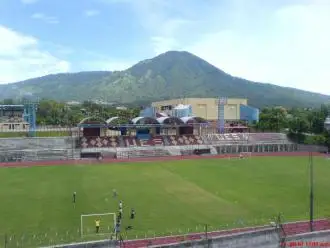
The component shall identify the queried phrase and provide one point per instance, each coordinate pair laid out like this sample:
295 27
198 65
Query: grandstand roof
144 120
158 115
170 120
116 119
193 119
92 120
108 121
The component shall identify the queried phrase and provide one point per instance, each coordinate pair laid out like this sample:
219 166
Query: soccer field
169 197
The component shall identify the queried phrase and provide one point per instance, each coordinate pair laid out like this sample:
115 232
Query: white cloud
91 12
29 1
45 18
282 42
106 65
96 62
163 44
292 50
22 58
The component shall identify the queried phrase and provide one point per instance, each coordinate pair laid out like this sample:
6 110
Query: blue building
249 114
182 111
148 112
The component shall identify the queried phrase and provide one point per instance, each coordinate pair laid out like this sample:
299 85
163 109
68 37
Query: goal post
107 223
245 154
240 155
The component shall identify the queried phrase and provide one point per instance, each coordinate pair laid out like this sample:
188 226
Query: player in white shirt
120 205
114 193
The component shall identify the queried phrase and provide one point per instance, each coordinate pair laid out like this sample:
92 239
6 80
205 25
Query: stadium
192 169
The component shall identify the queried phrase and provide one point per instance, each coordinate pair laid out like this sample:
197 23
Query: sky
285 42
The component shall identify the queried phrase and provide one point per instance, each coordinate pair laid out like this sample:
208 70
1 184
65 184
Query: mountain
169 75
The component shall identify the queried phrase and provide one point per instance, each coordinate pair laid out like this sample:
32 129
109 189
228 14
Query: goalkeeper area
169 197
107 224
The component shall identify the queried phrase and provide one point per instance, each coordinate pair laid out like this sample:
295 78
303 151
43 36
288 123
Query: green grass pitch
36 202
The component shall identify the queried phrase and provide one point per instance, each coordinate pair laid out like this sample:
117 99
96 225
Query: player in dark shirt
119 215
132 213
74 197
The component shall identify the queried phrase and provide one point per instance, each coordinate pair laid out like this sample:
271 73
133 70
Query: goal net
107 222
327 155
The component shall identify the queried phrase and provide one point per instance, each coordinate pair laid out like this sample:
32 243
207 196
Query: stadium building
235 109
12 118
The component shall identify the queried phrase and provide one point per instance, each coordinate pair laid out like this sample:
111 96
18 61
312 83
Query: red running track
290 228
167 158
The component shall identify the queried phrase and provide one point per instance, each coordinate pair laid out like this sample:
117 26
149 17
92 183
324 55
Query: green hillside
169 75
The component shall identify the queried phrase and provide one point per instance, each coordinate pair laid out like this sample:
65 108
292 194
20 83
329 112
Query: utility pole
311 196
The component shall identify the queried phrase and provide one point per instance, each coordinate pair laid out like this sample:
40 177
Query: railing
42 153
249 233
39 132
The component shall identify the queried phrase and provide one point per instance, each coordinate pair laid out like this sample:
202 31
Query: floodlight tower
311 175
30 114
327 124
222 101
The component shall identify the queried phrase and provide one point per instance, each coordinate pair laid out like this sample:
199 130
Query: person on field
120 214
114 193
117 229
132 213
74 197
120 205
97 225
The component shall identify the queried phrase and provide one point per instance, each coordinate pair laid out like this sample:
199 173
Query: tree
51 112
272 119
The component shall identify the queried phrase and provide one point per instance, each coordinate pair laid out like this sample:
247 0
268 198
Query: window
166 107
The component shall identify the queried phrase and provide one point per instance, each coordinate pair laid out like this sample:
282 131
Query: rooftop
11 107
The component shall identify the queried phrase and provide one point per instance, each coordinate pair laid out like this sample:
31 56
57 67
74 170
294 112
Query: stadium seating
272 138
154 141
133 141
99 142
130 141
251 138
138 153
183 140
227 138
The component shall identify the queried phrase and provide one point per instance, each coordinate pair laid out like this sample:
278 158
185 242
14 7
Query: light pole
311 174
311 194
311 179
327 124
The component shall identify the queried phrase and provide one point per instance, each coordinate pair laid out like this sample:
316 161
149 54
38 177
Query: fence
201 149
269 235
59 238
41 131
35 155
70 152
258 148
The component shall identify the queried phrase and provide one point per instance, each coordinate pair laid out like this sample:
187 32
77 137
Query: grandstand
145 136
151 134
12 118
166 136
